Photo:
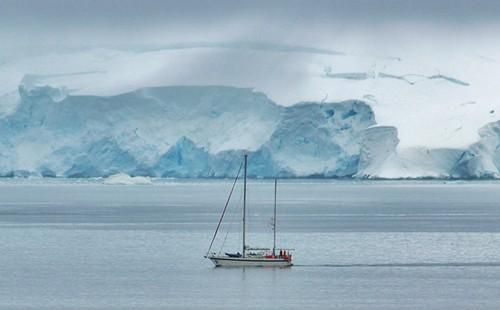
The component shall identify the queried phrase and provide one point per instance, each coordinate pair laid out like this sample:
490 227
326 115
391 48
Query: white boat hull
224 261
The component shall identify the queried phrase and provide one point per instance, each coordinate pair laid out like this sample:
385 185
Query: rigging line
230 226
225 207
223 242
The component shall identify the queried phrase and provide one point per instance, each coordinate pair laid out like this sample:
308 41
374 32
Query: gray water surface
358 245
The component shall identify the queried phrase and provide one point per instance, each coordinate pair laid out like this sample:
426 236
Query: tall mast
274 218
244 201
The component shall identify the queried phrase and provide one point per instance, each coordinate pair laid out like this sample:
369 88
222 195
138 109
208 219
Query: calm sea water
358 245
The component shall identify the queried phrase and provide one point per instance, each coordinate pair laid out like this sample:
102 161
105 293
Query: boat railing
269 249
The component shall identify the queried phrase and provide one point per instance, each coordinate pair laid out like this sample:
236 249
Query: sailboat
250 257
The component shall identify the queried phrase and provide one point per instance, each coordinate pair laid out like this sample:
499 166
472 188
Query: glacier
179 131
202 132
453 89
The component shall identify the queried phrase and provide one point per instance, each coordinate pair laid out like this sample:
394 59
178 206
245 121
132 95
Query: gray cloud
134 13
67 23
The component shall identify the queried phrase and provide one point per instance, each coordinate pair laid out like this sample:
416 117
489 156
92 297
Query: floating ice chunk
125 179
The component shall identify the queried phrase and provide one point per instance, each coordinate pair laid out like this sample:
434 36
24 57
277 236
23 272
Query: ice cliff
481 159
185 131
382 159
202 131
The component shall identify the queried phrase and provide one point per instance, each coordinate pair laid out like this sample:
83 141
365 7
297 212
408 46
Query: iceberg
125 179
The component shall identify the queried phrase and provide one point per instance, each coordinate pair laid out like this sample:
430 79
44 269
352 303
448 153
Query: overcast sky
65 23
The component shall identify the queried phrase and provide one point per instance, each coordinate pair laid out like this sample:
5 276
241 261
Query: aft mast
274 218
244 202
